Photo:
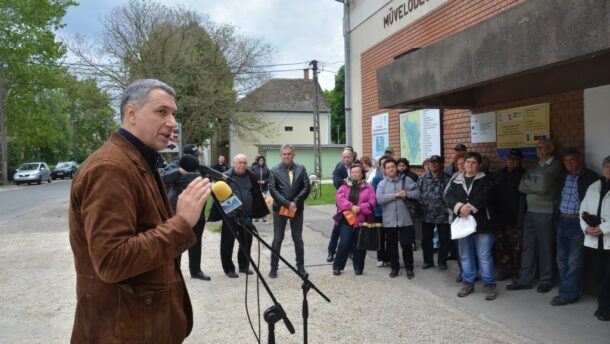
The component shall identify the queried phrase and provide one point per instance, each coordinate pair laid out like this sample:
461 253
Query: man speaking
125 239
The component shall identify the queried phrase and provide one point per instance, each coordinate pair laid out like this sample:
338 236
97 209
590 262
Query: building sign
407 11
522 128
483 127
175 142
379 134
420 134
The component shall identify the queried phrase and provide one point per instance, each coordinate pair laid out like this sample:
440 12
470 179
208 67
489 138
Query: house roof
284 95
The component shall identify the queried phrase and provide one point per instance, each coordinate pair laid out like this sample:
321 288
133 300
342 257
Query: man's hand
401 194
191 200
293 206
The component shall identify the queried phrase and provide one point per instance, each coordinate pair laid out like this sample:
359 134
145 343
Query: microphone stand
274 313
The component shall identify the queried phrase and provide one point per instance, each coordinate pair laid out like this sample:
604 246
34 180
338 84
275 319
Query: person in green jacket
541 185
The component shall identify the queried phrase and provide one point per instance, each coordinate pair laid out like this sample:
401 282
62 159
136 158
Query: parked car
64 169
32 172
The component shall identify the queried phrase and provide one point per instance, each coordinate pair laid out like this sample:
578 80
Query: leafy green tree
90 116
28 55
336 102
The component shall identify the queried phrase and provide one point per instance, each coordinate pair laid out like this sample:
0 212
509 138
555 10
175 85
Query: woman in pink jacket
355 201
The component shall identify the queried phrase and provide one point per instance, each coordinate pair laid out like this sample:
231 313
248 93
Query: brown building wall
566 109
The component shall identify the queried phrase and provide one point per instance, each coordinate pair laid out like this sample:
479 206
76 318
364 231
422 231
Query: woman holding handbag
595 210
355 202
469 194
391 194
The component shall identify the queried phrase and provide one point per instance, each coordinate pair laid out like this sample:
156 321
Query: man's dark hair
389 160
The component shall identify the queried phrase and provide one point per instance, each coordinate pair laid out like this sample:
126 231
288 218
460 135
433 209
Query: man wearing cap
431 188
570 237
510 207
540 184
176 180
451 169
389 151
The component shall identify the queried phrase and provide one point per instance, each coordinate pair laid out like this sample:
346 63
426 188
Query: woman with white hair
595 210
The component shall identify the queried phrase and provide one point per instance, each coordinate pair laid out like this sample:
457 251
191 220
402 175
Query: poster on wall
522 128
483 127
379 132
420 134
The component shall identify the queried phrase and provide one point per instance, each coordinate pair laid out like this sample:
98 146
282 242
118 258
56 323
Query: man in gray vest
541 185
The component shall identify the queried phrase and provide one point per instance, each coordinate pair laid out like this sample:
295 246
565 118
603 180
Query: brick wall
444 21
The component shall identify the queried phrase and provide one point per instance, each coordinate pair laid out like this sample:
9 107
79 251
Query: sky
298 30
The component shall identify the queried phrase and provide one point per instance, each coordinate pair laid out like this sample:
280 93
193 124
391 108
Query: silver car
32 172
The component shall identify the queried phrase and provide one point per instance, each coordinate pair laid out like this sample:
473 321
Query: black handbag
415 209
369 237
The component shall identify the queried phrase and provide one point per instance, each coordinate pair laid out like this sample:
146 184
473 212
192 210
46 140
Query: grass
328 196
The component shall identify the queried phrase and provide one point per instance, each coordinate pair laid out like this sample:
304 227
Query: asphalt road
19 200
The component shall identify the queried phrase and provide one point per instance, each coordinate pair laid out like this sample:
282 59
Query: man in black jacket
570 238
289 187
510 207
176 180
246 189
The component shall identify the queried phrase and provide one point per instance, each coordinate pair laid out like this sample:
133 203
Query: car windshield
29 167
63 165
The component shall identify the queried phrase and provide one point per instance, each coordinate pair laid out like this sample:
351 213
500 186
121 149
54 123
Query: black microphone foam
189 163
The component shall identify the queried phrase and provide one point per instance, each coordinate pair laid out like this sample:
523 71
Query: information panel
420 134
522 128
379 132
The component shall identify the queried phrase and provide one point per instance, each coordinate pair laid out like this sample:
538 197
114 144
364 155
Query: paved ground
37 297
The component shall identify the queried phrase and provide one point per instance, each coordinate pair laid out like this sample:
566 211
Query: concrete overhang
533 49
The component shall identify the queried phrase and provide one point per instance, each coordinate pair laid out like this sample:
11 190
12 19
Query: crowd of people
129 224
526 220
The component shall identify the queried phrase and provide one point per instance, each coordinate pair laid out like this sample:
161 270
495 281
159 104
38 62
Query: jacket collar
460 178
152 178
150 156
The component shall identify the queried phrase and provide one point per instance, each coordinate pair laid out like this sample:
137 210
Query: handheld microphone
190 164
228 201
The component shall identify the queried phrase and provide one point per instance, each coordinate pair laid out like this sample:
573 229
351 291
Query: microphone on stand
190 164
228 201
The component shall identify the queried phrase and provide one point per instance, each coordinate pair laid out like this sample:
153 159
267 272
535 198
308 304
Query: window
310 128
287 128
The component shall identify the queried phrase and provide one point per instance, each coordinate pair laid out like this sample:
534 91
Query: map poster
483 127
379 132
522 128
420 135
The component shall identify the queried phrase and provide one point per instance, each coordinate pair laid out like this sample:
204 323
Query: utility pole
347 71
3 135
317 163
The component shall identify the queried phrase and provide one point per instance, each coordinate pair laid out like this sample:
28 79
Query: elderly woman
397 223
469 193
595 208
356 199
261 171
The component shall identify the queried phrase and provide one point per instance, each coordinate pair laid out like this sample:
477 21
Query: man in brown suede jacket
125 239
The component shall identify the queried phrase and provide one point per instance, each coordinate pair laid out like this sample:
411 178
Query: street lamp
74 146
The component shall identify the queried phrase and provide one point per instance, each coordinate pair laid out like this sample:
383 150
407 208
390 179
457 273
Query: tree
336 102
90 116
208 64
28 55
